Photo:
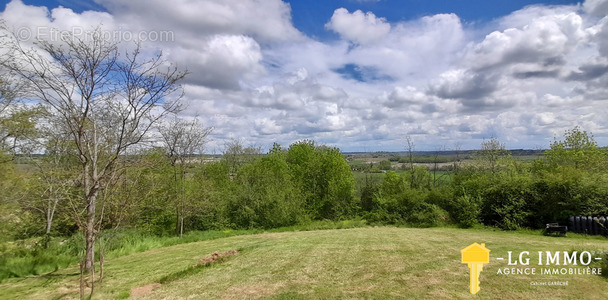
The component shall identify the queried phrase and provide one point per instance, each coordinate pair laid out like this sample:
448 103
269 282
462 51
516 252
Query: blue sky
311 13
364 74
310 16
76 5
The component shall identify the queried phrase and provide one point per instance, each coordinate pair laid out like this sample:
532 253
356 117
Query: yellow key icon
475 256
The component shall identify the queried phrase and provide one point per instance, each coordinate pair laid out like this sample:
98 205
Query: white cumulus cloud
358 27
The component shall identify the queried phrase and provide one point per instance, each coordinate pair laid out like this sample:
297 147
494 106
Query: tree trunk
81 279
90 238
50 213
101 259
90 231
183 196
47 233
176 196
49 221
181 224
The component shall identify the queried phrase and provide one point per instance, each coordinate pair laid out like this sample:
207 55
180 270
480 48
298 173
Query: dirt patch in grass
144 290
216 256
207 261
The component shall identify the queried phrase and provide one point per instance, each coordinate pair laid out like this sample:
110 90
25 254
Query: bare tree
107 103
236 154
182 140
56 172
491 151
436 164
457 150
410 147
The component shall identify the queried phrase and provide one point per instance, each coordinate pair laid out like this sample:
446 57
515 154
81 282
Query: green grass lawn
360 263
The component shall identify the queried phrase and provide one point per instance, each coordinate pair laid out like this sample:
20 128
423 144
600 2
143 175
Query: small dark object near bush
556 228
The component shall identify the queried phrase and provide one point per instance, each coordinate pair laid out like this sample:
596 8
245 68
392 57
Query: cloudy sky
364 74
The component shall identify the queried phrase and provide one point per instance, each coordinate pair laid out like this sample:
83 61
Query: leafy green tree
325 179
266 197
143 196
18 130
386 200
216 190
18 134
393 184
302 162
368 189
578 150
15 120
419 178
207 207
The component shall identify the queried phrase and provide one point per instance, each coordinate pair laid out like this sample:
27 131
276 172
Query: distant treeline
305 182
497 189
425 156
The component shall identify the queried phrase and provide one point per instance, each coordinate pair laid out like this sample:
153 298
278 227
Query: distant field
442 177
362 263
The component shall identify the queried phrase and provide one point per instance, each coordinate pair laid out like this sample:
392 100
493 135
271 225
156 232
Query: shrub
385 165
508 203
419 178
367 196
324 178
424 214
266 195
567 192
465 210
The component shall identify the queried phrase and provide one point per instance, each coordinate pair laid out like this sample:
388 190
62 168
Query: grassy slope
374 263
